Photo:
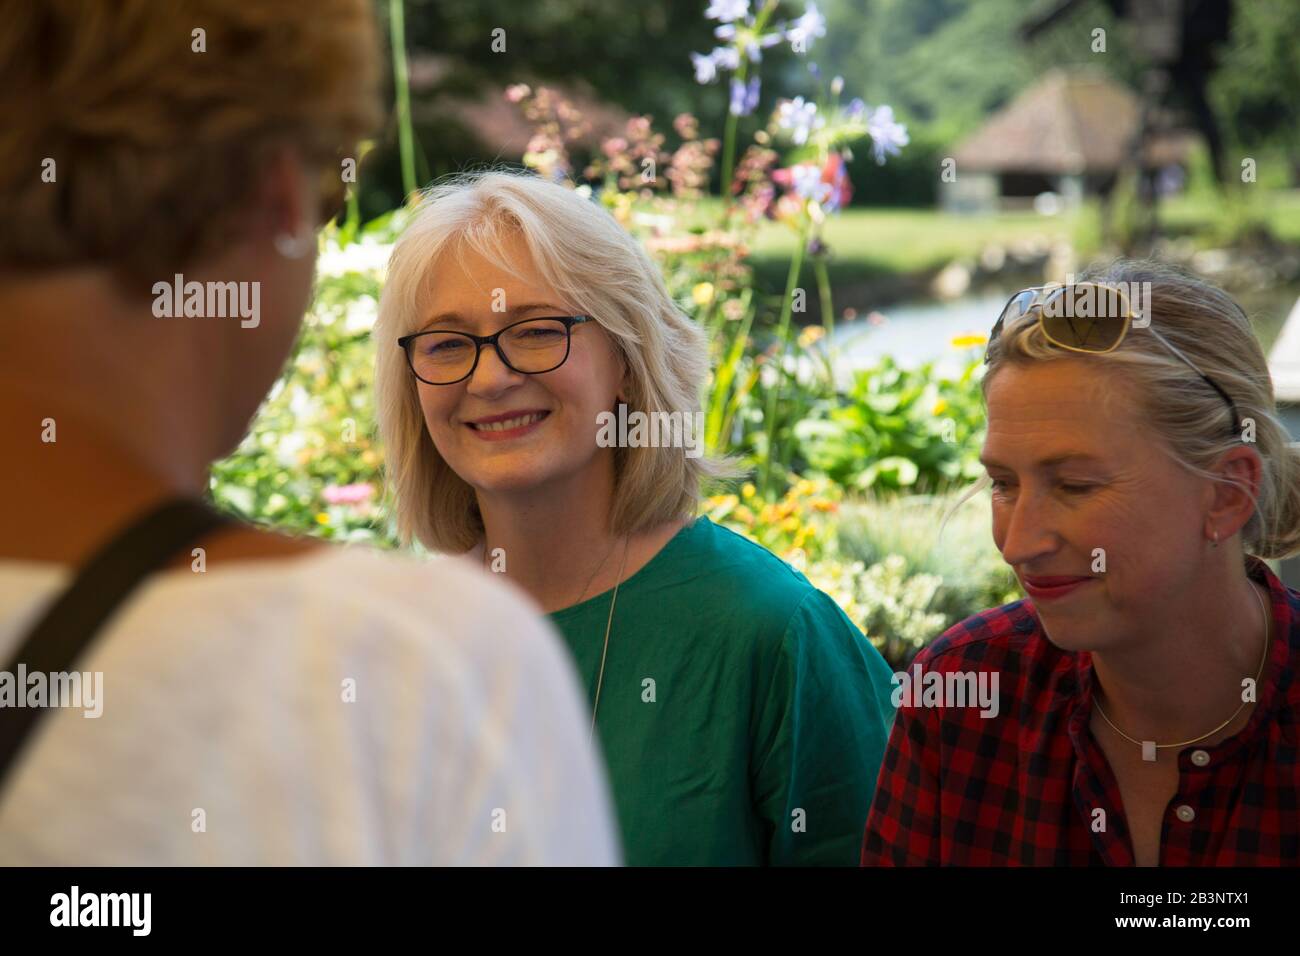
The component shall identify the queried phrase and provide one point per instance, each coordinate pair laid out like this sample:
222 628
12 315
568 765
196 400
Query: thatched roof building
1069 133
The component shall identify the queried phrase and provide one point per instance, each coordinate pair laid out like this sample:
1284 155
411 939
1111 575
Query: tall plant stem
402 86
782 336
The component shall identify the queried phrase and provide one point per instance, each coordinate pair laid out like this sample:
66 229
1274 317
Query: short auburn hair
155 145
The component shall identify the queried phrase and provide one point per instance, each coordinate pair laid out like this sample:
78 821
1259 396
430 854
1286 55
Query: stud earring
293 246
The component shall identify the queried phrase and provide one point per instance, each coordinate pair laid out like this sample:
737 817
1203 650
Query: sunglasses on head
1088 317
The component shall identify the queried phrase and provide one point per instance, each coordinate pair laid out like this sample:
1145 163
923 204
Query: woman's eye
1076 489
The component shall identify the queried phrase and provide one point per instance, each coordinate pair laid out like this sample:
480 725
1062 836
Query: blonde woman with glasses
742 715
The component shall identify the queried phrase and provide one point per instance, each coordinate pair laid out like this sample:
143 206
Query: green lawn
1279 208
874 243
870 242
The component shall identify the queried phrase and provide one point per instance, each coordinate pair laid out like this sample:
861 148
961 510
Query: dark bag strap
100 587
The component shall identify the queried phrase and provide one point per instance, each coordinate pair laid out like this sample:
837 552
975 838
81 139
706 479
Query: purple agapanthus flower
726 58
808 27
799 117
754 48
806 179
706 67
744 96
706 70
887 136
727 10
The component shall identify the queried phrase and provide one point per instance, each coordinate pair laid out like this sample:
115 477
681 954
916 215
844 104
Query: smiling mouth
1050 587
506 424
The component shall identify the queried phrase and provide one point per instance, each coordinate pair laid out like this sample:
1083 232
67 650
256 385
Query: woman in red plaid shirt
1146 701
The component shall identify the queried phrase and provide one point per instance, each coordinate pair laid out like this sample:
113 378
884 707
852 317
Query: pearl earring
293 246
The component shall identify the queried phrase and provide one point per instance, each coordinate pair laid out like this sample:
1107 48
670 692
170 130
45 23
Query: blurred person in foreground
1146 705
294 703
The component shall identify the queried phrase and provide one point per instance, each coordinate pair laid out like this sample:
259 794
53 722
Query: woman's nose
1028 532
491 374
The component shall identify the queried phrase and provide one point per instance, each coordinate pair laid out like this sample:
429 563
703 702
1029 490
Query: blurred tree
1257 89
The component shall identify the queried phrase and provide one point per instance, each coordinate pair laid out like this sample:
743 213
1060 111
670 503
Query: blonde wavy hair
156 147
1192 421
597 266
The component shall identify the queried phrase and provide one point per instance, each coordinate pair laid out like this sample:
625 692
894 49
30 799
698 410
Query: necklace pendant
1149 751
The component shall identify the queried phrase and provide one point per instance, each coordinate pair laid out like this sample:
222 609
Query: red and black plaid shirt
1021 788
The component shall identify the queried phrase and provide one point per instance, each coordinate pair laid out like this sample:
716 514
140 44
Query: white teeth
508 423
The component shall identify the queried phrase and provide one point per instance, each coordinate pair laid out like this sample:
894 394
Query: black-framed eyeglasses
529 347
1090 317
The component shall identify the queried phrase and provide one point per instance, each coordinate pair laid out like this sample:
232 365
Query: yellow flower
790 524
940 407
810 335
702 293
968 341
322 518
748 490
805 487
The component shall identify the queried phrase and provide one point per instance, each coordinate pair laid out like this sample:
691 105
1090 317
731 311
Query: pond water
917 332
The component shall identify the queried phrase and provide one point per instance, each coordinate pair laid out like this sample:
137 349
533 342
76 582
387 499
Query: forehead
467 277
1039 411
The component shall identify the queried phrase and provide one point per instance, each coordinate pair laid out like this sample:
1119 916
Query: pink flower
638 127
828 185
837 176
357 494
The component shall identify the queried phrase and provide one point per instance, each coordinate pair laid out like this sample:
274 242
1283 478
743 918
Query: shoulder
786 620
992 637
434 687
376 610
746 574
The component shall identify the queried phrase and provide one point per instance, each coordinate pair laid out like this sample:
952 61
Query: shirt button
1185 813
1200 758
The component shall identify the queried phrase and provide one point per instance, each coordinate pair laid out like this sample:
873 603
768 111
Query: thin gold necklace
613 602
1149 747
600 679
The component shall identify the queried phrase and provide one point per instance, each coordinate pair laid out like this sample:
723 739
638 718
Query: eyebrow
1054 461
454 318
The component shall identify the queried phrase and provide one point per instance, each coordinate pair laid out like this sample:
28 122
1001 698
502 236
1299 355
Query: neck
1185 675
556 538
125 412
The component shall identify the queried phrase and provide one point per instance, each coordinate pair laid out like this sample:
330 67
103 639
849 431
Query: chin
512 473
1075 636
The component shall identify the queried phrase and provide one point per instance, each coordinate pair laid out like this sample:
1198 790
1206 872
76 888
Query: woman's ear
1233 498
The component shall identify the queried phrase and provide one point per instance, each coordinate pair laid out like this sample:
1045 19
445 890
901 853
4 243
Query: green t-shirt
743 716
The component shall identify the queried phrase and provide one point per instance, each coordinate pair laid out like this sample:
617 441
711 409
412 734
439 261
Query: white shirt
226 736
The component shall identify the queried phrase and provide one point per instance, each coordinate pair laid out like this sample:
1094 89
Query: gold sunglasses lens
1086 317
